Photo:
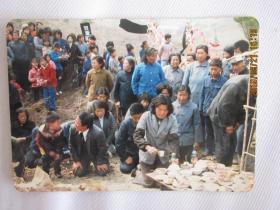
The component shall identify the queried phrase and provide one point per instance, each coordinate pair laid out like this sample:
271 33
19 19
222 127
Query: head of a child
190 58
102 94
26 30
22 115
167 38
47 43
16 35
71 38
87 54
144 45
228 52
161 107
58 34
129 48
9 27
136 111
183 94
145 100
129 64
35 62
53 122
165 90
216 68
24 37
121 59
174 60
241 46
113 52
47 57
101 109
80 38
43 62
109 44
83 122
98 62
150 56
92 40
31 26
202 53
56 47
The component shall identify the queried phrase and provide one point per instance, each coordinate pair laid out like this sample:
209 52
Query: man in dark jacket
126 148
226 113
51 141
88 144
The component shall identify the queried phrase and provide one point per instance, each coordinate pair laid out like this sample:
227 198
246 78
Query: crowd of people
142 110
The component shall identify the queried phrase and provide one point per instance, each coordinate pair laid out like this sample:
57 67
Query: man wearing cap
238 66
226 113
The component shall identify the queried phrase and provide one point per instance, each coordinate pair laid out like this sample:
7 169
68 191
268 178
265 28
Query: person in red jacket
35 78
49 84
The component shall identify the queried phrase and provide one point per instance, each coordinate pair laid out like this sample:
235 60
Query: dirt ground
69 105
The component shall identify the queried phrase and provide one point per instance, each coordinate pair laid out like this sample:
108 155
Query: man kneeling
88 145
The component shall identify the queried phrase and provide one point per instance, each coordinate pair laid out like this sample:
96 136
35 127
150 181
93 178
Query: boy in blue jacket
211 86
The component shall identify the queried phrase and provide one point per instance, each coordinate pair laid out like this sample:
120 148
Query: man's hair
229 50
216 62
102 90
167 36
52 117
86 119
92 37
242 45
136 108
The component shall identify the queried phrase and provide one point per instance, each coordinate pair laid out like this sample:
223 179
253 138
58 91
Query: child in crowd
35 78
49 84
113 62
125 146
188 119
104 119
212 84
47 48
165 50
121 60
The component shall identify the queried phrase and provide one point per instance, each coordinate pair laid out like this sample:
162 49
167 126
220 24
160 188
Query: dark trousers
202 122
32 158
209 140
126 169
46 162
21 68
36 93
185 153
146 168
18 151
224 145
59 75
49 94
